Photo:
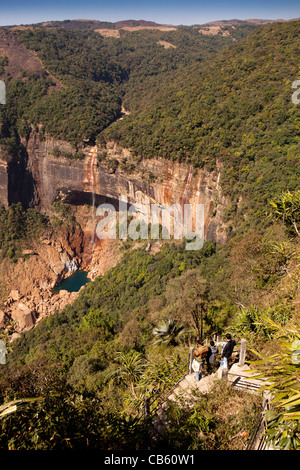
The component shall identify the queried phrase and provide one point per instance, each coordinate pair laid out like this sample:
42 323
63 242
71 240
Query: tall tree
187 298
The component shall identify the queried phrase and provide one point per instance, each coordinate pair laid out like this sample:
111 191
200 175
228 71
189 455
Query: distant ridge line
257 21
97 24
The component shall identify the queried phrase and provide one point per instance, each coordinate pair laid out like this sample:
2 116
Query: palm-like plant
131 368
286 207
17 405
168 333
282 371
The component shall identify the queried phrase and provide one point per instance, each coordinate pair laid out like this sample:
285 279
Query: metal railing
244 383
155 401
258 438
159 397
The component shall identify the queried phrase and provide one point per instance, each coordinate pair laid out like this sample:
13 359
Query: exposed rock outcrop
31 279
21 59
24 314
85 183
155 181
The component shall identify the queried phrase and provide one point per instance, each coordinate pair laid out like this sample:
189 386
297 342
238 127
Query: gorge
78 182
106 117
43 178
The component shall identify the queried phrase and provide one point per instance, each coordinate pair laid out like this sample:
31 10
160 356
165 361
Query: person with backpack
227 349
199 355
211 356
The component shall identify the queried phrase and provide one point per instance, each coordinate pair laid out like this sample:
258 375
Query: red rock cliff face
154 181
86 183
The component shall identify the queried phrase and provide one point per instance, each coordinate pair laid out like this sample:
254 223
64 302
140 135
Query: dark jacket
212 354
228 348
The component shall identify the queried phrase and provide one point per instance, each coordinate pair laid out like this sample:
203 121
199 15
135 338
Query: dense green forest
235 110
210 101
96 72
79 378
127 331
17 225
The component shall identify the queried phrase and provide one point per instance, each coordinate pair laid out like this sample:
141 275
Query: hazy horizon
175 12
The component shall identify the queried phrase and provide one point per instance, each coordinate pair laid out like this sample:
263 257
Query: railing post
191 357
242 355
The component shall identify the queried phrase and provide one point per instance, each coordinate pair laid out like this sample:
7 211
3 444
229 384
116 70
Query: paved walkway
239 377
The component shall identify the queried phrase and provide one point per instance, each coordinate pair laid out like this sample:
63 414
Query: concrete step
242 378
190 385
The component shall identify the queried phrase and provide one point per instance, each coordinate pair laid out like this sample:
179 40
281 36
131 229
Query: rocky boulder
23 317
3 319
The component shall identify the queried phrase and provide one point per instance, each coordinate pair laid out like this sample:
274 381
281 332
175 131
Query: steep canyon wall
155 181
42 178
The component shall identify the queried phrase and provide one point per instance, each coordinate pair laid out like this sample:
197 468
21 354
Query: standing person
228 348
199 353
211 356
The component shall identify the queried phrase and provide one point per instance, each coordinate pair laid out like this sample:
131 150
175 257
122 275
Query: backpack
200 352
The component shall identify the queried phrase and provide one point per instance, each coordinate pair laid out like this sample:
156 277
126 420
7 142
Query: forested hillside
96 72
129 330
234 109
187 103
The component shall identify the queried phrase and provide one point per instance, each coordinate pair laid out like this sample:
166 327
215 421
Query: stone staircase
239 377
188 386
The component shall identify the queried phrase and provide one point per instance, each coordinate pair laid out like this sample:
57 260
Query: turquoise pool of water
74 282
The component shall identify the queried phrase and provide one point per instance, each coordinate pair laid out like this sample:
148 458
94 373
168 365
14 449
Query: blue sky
162 11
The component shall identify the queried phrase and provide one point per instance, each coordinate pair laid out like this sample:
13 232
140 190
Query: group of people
209 355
